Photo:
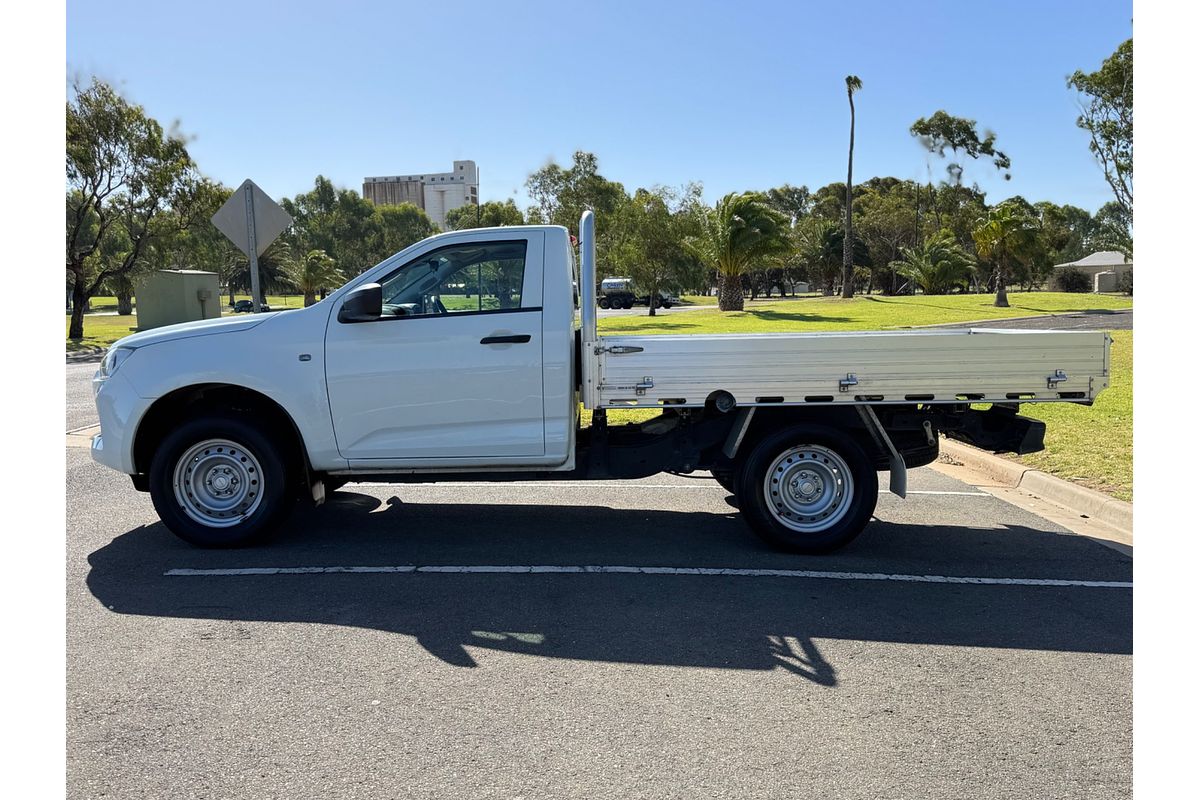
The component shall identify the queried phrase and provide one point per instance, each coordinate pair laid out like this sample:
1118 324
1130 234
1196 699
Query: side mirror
364 304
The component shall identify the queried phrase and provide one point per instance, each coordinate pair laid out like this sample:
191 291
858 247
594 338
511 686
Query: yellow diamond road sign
250 215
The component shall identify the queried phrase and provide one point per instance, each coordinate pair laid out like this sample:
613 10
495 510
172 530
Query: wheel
628 304
807 489
218 481
726 479
666 304
604 303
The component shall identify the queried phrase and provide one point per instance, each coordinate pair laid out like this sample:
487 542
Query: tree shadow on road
726 622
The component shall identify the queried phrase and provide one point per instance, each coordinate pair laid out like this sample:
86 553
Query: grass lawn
1093 446
875 312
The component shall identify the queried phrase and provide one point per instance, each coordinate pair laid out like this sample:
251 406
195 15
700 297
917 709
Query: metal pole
255 289
587 277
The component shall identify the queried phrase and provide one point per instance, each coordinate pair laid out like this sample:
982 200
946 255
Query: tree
739 230
793 201
657 223
821 247
314 273
887 222
492 214
122 172
853 84
938 265
275 267
942 132
1006 238
1112 229
340 222
1107 115
401 226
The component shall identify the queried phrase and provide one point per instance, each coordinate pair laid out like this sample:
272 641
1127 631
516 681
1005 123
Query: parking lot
607 639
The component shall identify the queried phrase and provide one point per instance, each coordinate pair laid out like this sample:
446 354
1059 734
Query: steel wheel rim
808 488
218 483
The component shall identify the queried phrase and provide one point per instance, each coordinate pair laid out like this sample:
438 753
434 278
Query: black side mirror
364 304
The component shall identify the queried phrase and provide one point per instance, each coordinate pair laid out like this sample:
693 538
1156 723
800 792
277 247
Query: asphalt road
488 684
1100 319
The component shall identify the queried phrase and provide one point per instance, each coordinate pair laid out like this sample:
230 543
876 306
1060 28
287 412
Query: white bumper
120 408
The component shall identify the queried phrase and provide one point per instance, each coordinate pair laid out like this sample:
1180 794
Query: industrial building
436 192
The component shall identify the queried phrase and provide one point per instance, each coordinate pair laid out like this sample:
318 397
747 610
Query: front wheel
808 489
218 481
604 302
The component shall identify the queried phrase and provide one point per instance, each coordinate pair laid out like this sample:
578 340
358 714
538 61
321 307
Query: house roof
1105 258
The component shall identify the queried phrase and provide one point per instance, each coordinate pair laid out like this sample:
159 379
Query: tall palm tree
316 271
937 265
740 229
853 84
1006 238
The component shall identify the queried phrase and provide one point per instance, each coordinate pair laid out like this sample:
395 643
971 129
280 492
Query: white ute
463 358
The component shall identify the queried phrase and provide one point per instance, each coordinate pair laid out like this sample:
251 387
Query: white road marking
606 485
617 570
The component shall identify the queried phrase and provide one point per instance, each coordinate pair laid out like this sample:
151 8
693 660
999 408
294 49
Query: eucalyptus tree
941 132
1007 239
853 84
1106 113
123 171
740 230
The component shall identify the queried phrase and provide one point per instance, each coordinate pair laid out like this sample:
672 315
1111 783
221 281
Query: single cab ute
468 357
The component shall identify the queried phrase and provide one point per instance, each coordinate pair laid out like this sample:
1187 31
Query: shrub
1125 282
1070 279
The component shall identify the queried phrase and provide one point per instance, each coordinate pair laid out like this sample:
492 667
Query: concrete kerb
90 354
1080 499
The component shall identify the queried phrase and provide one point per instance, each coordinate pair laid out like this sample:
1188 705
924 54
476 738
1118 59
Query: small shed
1097 263
177 295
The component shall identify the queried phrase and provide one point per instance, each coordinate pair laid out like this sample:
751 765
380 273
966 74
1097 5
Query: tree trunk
310 297
730 288
78 302
231 296
124 303
848 244
1001 289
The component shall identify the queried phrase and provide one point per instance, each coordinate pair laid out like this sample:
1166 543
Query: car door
452 370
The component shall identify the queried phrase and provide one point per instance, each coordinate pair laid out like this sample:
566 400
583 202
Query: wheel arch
189 401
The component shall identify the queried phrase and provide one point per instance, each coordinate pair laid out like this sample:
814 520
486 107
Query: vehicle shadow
728 622
768 315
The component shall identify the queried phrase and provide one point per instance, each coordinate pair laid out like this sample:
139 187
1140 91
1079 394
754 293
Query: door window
471 278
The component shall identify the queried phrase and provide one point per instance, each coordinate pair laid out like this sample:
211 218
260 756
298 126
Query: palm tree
1006 238
853 84
316 271
938 265
739 230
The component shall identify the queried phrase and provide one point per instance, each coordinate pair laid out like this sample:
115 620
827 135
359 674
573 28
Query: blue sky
734 95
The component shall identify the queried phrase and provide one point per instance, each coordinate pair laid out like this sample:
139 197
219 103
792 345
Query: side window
461 278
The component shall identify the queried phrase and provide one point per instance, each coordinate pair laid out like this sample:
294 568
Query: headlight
114 359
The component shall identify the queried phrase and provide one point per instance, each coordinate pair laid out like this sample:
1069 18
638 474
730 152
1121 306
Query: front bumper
120 409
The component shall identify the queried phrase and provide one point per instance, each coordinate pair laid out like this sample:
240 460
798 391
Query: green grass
100 331
1093 446
860 313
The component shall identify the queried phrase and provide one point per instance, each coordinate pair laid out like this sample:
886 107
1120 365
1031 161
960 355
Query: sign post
252 220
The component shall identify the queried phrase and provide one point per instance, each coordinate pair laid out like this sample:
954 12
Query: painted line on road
607 485
617 570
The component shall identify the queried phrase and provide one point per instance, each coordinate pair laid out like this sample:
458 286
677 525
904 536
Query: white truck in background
463 358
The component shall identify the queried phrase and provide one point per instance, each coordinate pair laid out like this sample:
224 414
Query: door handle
516 338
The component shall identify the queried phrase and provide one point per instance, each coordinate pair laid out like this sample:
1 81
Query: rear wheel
219 482
808 489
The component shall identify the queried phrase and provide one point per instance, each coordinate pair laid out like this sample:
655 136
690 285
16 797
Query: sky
735 95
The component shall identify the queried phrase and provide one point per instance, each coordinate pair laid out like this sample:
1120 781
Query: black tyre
807 489
666 304
219 481
604 303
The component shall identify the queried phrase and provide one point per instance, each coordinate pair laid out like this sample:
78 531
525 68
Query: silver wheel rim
808 488
218 483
